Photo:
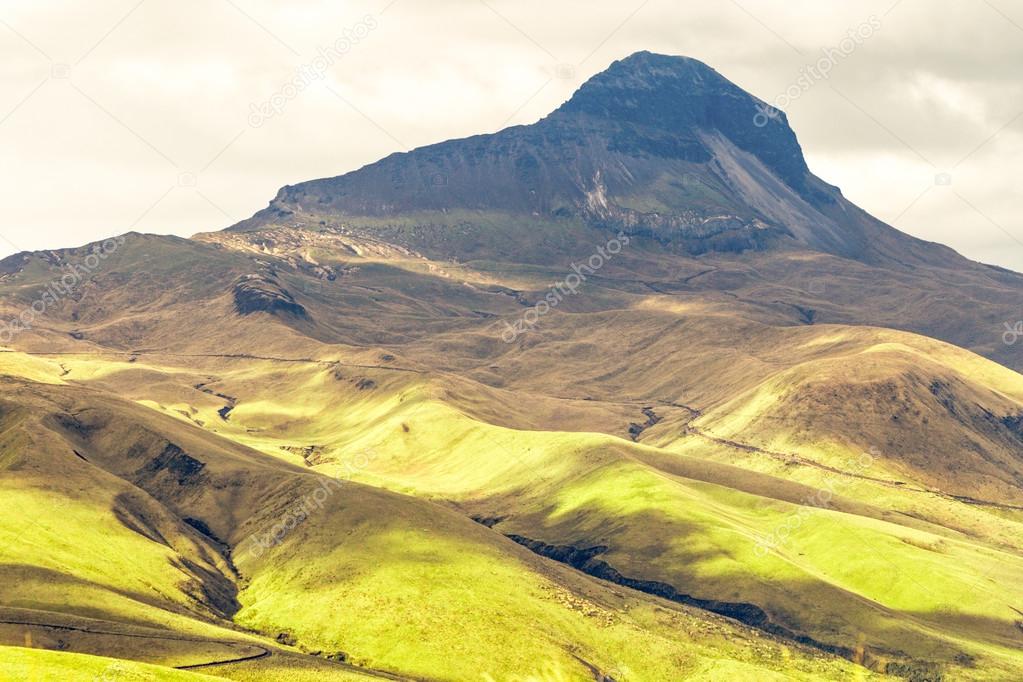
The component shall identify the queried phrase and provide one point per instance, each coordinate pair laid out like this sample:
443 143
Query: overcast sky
120 115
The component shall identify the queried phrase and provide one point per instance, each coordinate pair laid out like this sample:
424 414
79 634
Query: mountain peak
636 87
657 145
650 70
682 95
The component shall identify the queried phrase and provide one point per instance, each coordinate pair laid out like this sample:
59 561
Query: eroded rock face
660 101
634 150
264 294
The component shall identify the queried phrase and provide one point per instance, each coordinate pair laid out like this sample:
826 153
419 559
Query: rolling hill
628 394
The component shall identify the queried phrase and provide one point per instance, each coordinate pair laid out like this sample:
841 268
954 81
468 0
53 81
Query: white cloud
177 80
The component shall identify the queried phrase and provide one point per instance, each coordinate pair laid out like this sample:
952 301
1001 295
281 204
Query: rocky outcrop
175 463
264 294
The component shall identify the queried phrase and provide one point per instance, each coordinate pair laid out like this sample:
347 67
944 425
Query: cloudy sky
149 115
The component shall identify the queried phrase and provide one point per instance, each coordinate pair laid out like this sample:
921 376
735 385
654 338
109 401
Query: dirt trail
791 458
195 666
262 651
225 356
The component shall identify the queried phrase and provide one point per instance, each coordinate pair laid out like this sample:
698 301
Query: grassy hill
717 467
180 566
626 395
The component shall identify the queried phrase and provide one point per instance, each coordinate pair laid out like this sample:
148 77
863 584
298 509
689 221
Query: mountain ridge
657 145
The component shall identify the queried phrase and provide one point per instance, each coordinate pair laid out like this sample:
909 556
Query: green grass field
312 491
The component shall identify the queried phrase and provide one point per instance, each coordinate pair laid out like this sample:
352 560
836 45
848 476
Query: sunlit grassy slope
857 487
724 533
405 582
36 665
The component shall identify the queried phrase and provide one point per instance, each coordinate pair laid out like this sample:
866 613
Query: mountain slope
392 570
656 145
668 151
627 394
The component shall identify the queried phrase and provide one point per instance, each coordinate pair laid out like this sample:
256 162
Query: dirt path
790 458
223 356
263 652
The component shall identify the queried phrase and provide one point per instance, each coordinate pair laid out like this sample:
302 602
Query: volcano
660 146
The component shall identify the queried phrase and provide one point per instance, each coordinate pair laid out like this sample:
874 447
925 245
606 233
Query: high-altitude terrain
627 394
